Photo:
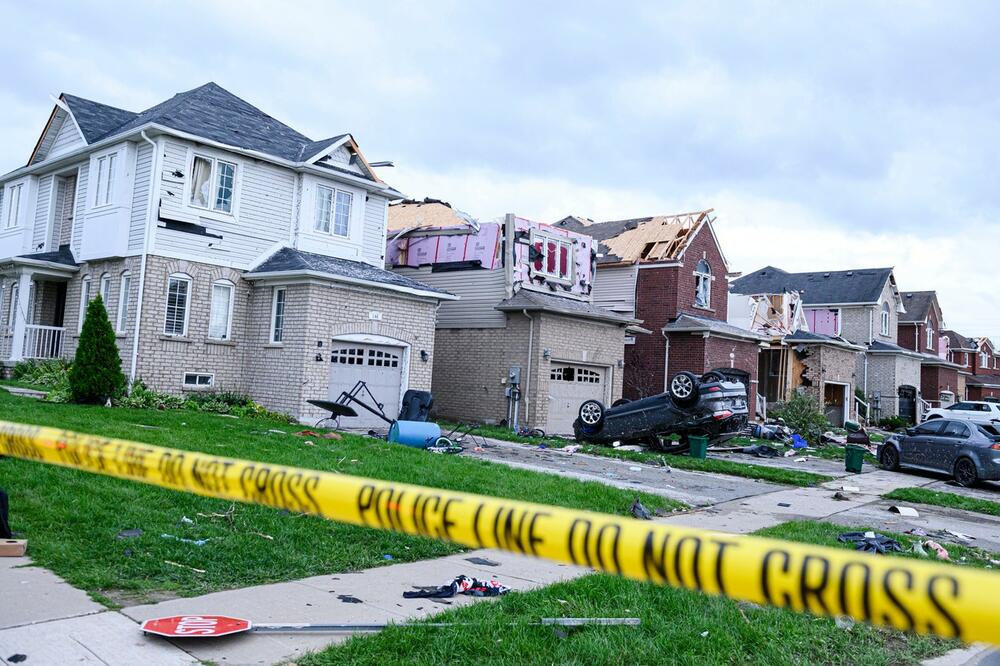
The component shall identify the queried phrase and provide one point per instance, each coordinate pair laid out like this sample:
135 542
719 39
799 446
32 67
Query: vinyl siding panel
67 139
479 292
82 176
43 208
374 234
614 288
140 194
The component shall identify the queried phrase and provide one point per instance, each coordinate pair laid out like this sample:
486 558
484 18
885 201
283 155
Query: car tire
712 376
591 415
965 472
888 458
683 389
620 401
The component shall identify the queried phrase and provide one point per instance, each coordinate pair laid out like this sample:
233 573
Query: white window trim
112 185
702 275
12 306
929 334
85 286
10 214
274 313
215 158
198 387
570 257
105 290
884 321
125 286
229 315
187 304
332 221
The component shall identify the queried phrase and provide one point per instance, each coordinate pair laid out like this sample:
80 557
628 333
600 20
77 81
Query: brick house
861 307
670 273
921 328
525 344
985 380
231 252
961 351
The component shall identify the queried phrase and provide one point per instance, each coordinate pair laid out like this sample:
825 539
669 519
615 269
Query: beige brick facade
886 374
471 369
827 364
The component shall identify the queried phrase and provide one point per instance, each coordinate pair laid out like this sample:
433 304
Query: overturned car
711 405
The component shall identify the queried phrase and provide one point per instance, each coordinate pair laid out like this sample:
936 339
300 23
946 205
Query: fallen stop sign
195 626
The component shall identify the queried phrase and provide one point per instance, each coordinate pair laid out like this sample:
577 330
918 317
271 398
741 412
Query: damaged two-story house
861 307
921 328
669 272
231 252
525 344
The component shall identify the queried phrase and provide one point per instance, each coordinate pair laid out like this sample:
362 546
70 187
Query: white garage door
379 366
569 386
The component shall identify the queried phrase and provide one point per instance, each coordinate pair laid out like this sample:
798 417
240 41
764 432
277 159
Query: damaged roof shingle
656 238
526 299
62 256
819 287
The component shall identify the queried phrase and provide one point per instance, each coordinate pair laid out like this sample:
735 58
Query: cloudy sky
825 135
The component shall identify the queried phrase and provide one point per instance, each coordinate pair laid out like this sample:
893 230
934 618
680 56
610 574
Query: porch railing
863 407
43 341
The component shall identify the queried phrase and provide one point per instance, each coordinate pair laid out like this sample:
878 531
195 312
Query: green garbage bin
855 456
699 446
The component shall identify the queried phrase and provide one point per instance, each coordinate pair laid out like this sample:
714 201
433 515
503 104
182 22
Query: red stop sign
195 626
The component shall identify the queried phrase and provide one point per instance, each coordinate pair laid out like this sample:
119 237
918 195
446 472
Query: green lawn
792 477
937 498
71 518
673 622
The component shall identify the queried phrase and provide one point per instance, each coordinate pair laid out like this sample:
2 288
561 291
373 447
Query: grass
72 518
791 477
937 498
673 622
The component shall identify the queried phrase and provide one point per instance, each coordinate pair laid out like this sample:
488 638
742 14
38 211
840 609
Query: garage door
569 386
378 366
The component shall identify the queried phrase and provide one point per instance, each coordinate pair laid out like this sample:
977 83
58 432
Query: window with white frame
123 300
220 320
84 300
884 327
12 307
702 285
13 207
278 315
553 257
178 305
930 337
984 360
198 380
213 182
333 210
104 183
106 290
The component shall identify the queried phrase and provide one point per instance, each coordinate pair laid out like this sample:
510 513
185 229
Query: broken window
553 257
212 184
703 285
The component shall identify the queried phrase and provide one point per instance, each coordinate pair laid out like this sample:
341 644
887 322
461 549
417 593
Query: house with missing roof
526 343
859 307
921 328
669 272
231 252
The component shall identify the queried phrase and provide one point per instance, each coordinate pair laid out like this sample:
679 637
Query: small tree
96 374
802 414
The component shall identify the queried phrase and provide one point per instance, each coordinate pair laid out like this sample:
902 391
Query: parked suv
983 413
709 405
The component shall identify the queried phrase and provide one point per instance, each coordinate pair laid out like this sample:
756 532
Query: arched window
123 301
703 285
106 291
884 328
84 299
220 322
930 336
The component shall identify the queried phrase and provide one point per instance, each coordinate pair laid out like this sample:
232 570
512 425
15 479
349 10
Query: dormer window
213 182
703 285
930 337
333 211
553 257
884 327
984 360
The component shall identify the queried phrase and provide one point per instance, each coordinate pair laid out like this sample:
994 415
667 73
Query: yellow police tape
924 597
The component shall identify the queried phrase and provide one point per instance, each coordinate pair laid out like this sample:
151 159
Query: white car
983 413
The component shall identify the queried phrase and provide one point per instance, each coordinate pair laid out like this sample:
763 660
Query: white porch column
21 315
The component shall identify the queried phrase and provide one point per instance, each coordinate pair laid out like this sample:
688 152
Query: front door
908 403
380 367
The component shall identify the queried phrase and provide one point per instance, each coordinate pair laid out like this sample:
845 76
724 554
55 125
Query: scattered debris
844 622
193 542
461 585
387 557
482 561
762 451
572 448
799 442
939 550
635 469
830 438
918 549
784 504
263 536
904 511
348 599
17 658
186 521
870 542
960 536
184 566
851 489
704 634
129 534
639 511
277 432
802 459
841 496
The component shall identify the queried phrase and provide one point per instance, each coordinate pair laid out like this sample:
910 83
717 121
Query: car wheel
712 376
889 458
684 388
620 401
965 473
591 415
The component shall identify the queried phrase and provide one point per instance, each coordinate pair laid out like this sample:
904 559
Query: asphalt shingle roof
917 304
209 111
289 260
959 341
820 287
687 322
526 299
61 256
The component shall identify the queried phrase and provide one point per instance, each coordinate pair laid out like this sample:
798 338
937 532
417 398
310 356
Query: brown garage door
569 386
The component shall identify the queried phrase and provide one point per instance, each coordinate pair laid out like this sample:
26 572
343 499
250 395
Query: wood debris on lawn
184 566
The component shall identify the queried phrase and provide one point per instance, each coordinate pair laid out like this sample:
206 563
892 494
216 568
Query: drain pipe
154 182
527 376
